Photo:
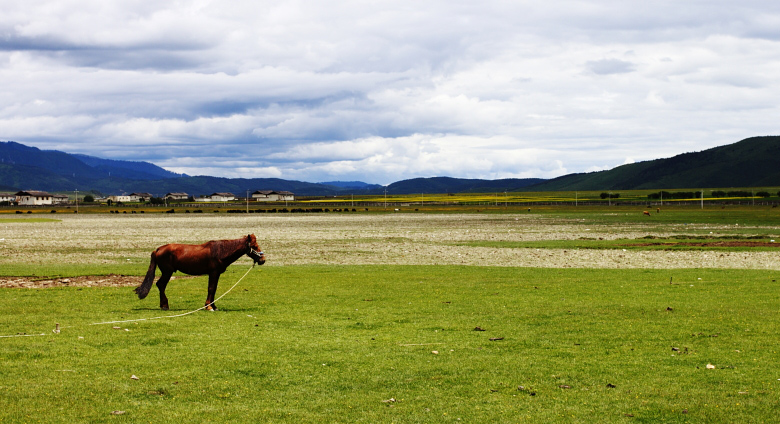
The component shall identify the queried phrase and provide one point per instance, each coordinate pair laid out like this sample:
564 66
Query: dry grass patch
361 239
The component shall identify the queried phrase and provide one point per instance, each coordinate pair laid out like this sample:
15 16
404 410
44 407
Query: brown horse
211 258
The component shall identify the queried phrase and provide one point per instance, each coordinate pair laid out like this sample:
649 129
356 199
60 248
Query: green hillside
458 185
24 177
749 163
204 185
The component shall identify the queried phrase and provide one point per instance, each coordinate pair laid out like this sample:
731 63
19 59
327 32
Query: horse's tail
143 289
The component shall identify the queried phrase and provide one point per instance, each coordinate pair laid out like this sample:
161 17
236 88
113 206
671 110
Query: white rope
178 315
23 335
145 319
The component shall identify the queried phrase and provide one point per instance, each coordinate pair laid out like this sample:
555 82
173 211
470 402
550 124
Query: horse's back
191 259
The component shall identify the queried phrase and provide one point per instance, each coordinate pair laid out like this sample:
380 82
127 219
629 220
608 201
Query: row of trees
674 195
697 194
737 193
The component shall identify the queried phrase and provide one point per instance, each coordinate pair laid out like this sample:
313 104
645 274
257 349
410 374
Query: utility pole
77 201
247 201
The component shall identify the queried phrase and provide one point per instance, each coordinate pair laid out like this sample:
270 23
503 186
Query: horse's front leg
213 281
161 284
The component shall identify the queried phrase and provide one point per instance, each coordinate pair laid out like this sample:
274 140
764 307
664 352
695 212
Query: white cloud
384 91
610 66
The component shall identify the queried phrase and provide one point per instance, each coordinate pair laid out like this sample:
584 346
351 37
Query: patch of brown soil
111 280
713 244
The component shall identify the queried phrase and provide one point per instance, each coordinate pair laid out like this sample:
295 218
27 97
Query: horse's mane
221 249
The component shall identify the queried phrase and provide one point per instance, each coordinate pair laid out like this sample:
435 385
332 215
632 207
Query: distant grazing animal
211 258
646 213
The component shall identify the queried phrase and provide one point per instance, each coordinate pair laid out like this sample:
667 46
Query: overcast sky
381 91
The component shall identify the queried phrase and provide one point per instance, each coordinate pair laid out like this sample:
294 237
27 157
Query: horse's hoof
164 307
211 307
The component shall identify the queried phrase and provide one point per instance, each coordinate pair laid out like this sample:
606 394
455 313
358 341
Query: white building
272 196
120 198
217 197
33 198
177 196
59 199
140 197
222 197
285 195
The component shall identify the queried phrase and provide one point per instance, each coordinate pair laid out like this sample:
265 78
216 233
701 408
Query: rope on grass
57 326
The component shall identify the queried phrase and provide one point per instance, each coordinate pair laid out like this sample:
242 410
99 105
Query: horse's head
253 250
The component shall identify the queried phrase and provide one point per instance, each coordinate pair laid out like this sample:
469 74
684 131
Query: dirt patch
111 280
711 244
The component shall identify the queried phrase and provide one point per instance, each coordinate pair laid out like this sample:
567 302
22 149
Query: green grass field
398 344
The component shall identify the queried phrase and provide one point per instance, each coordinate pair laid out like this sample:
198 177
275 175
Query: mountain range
751 162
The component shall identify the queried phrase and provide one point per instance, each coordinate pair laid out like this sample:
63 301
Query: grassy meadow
324 339
398 344
515 198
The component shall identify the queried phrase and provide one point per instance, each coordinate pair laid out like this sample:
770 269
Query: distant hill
25 177
25 168
59 163
357 185
752 162
198 185
749 163
128 169
76 166
459 185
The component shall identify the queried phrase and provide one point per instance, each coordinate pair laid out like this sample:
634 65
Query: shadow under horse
211 258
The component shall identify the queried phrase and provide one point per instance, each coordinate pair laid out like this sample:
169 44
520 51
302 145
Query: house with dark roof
216 197
177 196
59 199
140 197
272 196
33 198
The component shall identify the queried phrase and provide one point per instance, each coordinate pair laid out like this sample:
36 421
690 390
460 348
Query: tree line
716 193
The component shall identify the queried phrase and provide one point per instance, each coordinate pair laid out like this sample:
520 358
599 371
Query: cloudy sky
381 91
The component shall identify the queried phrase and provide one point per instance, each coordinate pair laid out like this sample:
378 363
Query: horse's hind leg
161 284
213 281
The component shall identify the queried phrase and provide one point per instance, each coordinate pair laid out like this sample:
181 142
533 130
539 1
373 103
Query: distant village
42 198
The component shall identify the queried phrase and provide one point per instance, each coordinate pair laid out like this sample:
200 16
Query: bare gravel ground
350 239
111 280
